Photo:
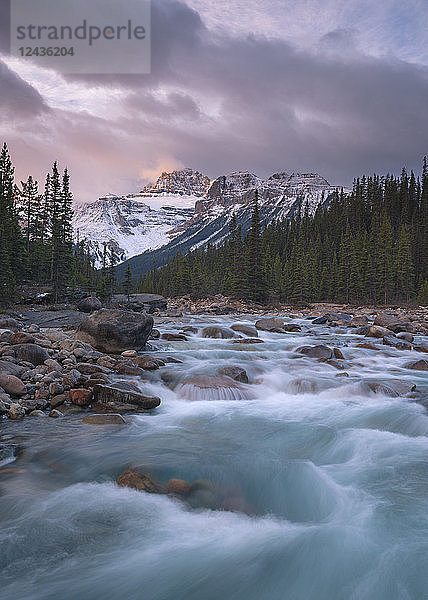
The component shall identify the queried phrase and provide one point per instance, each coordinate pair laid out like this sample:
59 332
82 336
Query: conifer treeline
367 247
36 237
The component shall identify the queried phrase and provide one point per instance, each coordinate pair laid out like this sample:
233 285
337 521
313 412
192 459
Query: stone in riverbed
211 387
89 304
319 321
270 324
319 351
245 329
248 341
12 385
378 332
104 394
174 337
55 414
80 396
90 368
57 400
396 343
16 411
9 323
392 322
129 353
37 413
21 338
32 353
148 363
142 483
417 365
104 419
405 335
113 331
217 332
180 487
236 373
358 321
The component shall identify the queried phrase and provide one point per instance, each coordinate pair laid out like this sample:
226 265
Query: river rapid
325 482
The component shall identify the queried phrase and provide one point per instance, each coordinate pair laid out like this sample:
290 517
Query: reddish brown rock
12 385
178 486
136 481
80 396
21 338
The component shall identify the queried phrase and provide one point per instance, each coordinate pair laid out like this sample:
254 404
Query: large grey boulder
89 304
270 324
31 353
106 394
114 331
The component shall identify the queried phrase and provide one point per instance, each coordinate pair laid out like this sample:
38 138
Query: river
327 483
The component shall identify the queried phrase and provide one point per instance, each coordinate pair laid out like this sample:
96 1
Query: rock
12 385
155 334
148 363
4 404
16 412
53 365
270 324
190 329
113 331
379 388
319 351
248 341
21 338
211 387
417 365
104 394
90 368
104 419
178 487
292 327
89 304
217 333
9 323
364 330
55 414
391 322
128 369
5 335
245 329
129 353
378 332
404 335
338 354
80 396
367 346
174 337
32 353
358 321
397 343
37 413
235 373
54 335
319 321
57 400
142 483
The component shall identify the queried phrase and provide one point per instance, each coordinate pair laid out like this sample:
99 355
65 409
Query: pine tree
127 283
256 276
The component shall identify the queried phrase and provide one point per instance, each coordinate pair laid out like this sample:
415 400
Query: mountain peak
184 181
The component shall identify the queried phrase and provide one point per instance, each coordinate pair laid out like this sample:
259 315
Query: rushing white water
325 482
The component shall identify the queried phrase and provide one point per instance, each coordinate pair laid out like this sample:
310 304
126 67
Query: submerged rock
174 337
104 419
270 324
245 329
209 387
319 351
236 373
217 332
417 365
136 481
178 487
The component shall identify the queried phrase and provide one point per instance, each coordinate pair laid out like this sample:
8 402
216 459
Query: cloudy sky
334 86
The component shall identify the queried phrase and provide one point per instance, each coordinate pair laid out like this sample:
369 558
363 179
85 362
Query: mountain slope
280 196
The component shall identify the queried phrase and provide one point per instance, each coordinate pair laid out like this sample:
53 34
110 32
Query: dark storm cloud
218 102
17 96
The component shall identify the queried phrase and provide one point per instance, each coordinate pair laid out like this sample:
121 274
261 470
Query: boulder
80 396
417 365
113 331
89 304
404 335
397 343
104 419
128 369
178 487
248 341
217 332
319 321
129 353
12 385
103 394
174 337
31 353
377 331
390 387
248 330
270 324
16 411
211 387
319 351
148 363
391 322
9 323
21 337
236 373
141 482
58 400
358 321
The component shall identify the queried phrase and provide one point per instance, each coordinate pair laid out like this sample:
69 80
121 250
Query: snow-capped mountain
280 196
142 222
